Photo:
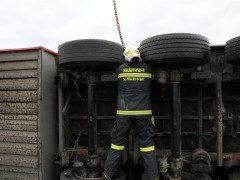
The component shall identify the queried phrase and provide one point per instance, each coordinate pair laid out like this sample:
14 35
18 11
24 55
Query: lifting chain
118 25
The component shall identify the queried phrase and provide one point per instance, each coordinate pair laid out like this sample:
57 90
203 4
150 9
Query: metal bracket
163 165
161 76
200 75
93 160
92 79
66 105
67 131
176 165
175 77
109 78
64 159
63 80
202 168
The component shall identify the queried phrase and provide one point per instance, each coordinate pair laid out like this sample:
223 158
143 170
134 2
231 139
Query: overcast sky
49 23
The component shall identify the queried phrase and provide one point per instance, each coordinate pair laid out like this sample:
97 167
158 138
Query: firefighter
133 110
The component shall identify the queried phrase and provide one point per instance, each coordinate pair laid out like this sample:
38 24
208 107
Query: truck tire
68 174
181 50
90 54
234 174
232 51
203 176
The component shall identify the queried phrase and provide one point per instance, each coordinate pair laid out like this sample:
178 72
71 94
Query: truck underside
208 112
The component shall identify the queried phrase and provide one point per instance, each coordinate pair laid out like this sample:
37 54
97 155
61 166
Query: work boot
156 178
105 176
144 177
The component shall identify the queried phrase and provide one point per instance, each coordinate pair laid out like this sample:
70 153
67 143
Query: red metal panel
29 48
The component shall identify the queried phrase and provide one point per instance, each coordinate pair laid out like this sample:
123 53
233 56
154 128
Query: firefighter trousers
120 132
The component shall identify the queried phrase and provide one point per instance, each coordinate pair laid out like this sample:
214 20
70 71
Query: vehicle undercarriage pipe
176 161
92 122
175 78
60 117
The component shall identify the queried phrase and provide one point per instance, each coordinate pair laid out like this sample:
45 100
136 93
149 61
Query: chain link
118 24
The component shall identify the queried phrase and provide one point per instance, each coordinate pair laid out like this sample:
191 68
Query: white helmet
130 53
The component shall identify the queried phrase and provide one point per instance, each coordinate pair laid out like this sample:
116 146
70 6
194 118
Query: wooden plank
19 160
19 84
18 65
19 169
18 125
18 96
18 136
17 176
18 148
17 74
18 108
25 117
18 56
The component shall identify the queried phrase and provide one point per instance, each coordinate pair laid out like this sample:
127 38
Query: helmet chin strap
135 59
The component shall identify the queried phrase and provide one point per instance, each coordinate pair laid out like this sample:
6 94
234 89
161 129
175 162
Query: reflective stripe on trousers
113 146
147 149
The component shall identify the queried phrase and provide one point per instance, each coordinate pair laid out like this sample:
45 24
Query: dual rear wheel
180 50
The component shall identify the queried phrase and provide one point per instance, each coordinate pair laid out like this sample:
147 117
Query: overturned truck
195 98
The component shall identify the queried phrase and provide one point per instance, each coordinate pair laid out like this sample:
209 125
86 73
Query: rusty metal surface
18 96
19 160
47 114
25 65
17 176
18 169
18 108
26 117
18 84
18 136
20 101
18 74
18 148
18 125
18 56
